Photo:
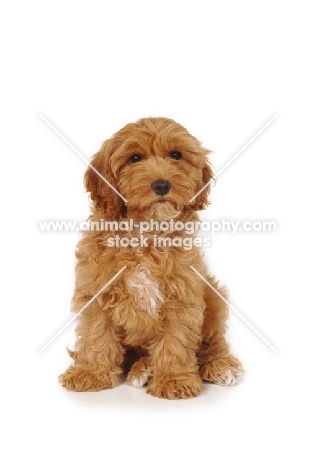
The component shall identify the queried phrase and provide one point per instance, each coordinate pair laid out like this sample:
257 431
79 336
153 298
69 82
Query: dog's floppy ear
103 196
202 200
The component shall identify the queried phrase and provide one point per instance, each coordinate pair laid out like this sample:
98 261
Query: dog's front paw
175 386
139 373
80 380
223 370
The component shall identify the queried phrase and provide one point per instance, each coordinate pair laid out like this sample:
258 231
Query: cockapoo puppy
157 321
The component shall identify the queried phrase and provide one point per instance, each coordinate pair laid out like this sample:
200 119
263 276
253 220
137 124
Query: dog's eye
176 155
135 158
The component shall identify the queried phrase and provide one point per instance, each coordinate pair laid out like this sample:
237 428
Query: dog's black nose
161 187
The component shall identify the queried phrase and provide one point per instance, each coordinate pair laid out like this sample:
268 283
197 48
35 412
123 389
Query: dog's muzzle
161 187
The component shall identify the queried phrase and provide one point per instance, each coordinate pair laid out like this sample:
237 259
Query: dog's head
155 164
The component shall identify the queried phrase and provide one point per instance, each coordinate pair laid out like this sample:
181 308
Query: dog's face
155 164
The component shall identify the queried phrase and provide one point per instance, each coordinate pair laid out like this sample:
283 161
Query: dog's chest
146 291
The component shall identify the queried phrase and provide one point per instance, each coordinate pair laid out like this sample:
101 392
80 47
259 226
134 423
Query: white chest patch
146 291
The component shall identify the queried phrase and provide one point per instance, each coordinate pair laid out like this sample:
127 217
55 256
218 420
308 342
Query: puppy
157 321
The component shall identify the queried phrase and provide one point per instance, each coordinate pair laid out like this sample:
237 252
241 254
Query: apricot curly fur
158 321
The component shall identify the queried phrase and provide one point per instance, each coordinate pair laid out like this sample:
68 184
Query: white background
222 69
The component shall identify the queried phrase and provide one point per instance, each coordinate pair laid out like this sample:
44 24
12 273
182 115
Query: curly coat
158 322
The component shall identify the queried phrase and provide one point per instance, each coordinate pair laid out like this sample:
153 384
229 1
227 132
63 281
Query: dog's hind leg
98 355
140 372
216 364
